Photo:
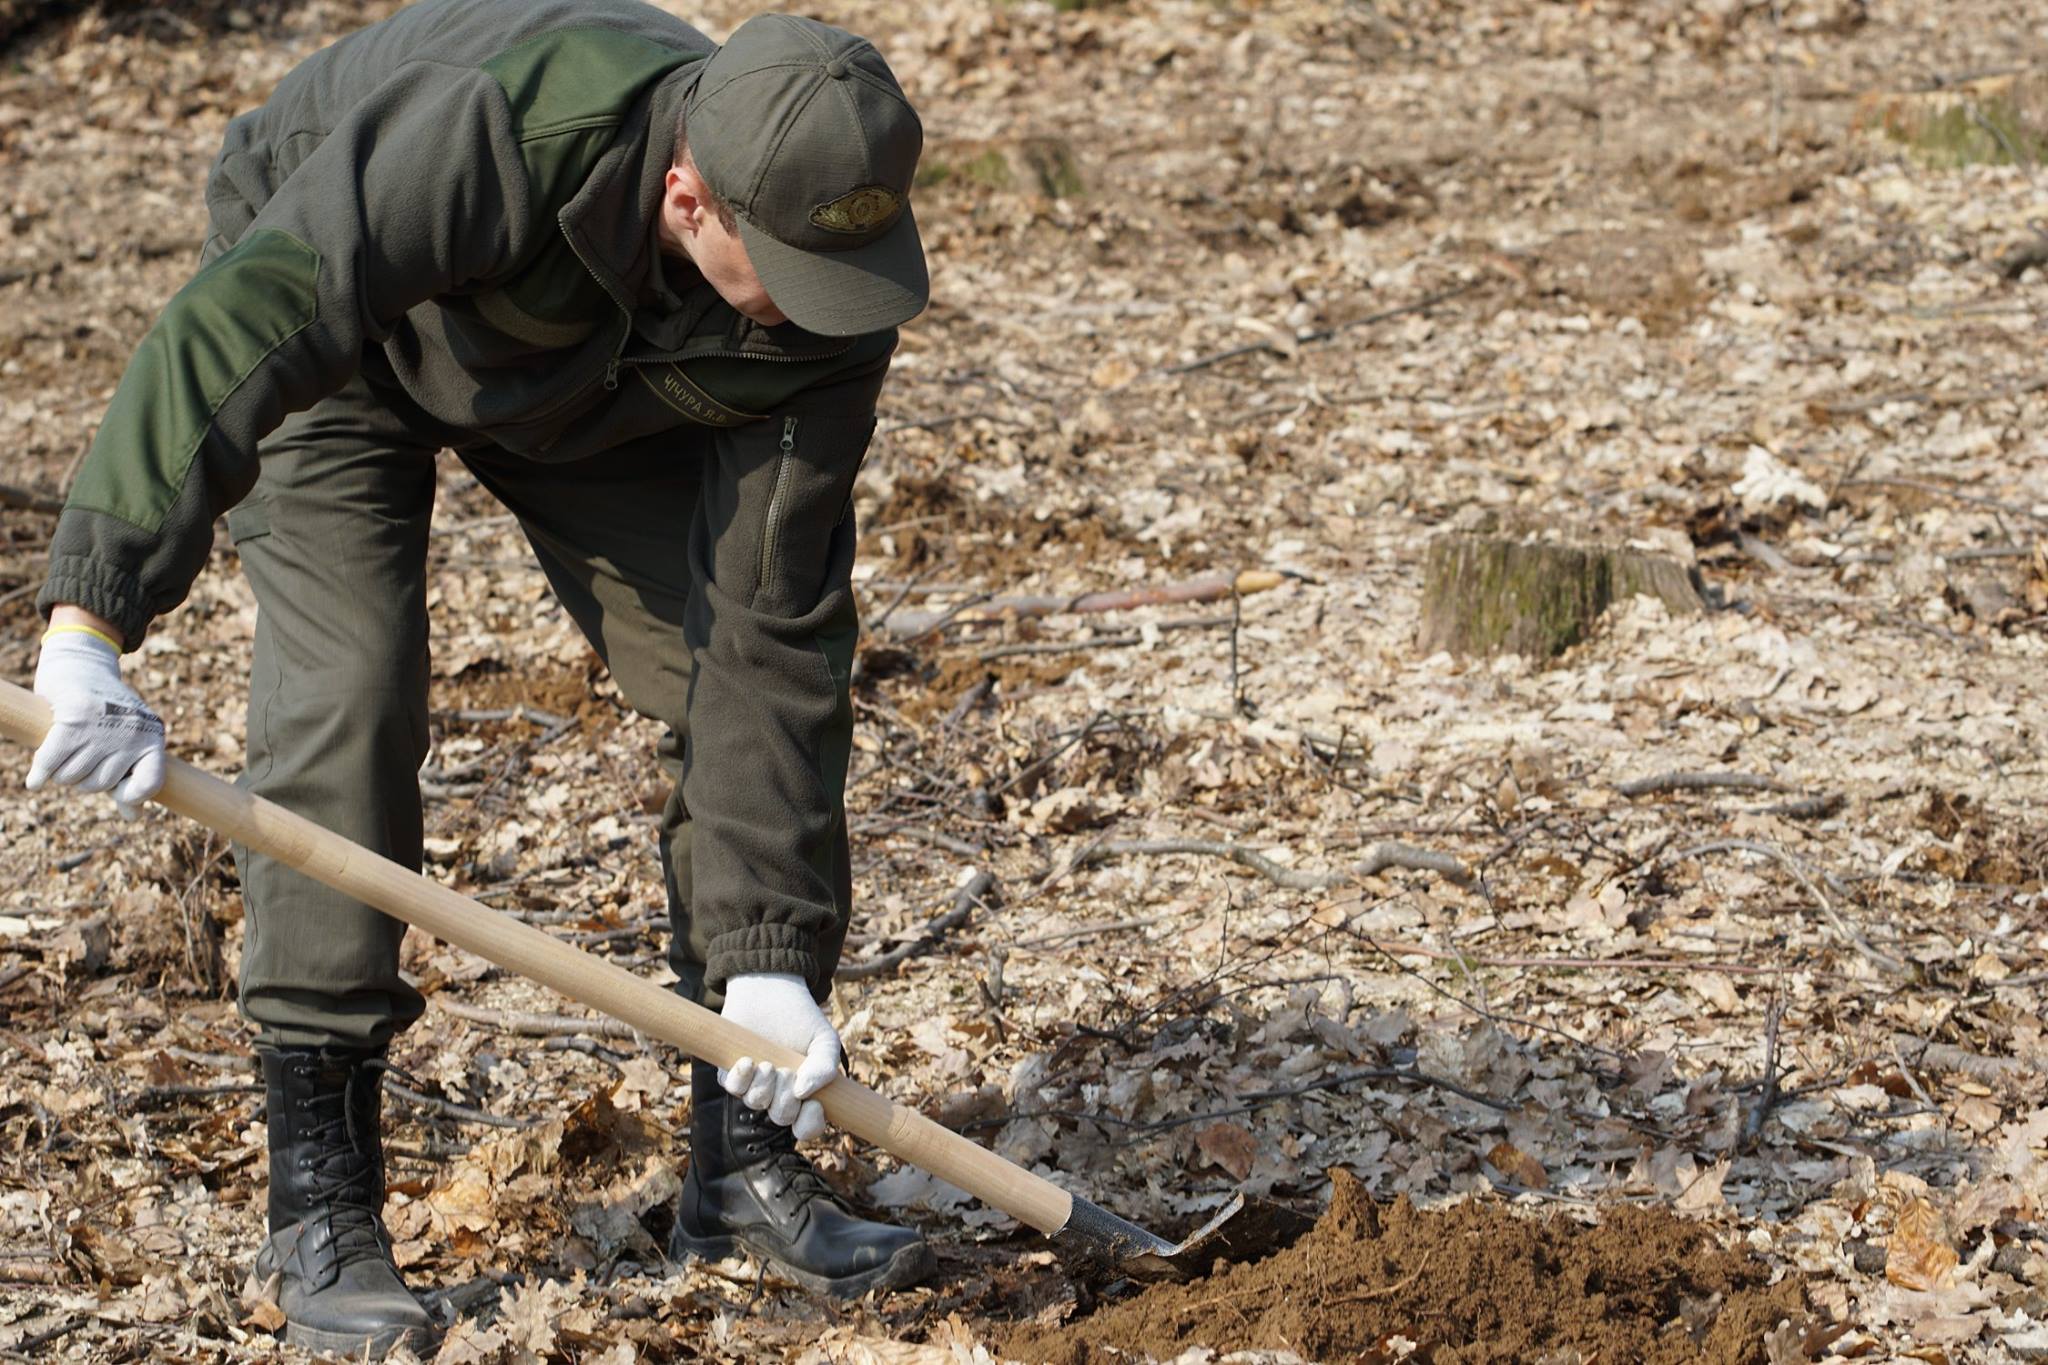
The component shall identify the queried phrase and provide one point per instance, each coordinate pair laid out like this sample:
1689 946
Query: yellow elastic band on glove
82 630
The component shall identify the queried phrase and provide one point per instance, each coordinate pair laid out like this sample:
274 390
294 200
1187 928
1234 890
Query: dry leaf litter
1628 267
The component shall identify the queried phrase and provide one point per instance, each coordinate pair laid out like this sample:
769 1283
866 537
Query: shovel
1095 1240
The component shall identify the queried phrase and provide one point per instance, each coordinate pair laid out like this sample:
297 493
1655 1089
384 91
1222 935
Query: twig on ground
431 1151
1378 858
1082 931
589 937
25 1348
30 499
993 610
1805 807
1767 1099
460 1112
1064 870
1576 964
1389 1290
1037 766
1853 936
1239 704
1933 398
1686 781
589 1047
894 603
158 1093
949 419
964 901
936 838
1123 641
1421 305
533 715
1991 552
533 1025
1534 1026
1942 490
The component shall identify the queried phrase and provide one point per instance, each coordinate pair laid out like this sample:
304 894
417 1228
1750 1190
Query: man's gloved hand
778 1007
102 737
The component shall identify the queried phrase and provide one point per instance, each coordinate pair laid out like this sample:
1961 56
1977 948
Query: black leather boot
338 1287
748 1187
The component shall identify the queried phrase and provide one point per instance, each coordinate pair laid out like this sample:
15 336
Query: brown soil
1473 1283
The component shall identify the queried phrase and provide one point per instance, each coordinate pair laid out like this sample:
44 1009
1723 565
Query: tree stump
1536 595
1029 165
2001 119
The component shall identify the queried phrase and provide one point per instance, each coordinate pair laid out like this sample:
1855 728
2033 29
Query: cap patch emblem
859 211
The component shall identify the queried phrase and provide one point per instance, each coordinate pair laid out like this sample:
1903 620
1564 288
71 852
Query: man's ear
686 196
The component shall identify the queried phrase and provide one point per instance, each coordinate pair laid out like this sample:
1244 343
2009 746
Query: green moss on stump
1036 165
1994 120
1495 594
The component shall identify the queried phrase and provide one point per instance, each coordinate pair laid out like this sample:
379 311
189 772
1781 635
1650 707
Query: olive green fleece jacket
471 187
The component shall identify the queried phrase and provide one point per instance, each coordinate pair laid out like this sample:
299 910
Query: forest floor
1745 1067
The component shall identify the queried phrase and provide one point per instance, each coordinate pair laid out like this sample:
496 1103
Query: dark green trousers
334 543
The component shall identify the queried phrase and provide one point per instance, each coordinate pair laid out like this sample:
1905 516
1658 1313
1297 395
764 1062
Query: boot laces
775 1146
342 1172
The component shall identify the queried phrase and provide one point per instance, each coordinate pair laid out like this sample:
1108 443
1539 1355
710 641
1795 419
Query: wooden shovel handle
519 947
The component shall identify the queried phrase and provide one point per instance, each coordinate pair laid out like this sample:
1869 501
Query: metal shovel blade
1096 1240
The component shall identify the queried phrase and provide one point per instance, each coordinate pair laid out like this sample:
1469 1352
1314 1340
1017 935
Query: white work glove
102 736
778 1007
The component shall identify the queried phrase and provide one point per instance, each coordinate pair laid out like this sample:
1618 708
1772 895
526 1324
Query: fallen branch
533 1025
936 838
1854 937
1805 807
461 1112
1675 782
1117 926
1421 305
964 901
950 419
1123 641
1942 490
29 499
1945 1057
994 610
1574 964
156 1094
589 1047
1934 398
1378 858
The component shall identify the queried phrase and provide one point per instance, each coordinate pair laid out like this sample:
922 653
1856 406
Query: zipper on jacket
785 468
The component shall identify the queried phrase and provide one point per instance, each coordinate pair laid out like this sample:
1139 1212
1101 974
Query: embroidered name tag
677 390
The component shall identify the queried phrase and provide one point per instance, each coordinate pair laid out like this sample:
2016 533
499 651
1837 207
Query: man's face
691 227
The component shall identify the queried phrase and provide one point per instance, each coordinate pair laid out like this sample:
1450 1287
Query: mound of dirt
1469 1284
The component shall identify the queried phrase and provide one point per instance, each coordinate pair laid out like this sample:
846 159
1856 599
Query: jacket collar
610 222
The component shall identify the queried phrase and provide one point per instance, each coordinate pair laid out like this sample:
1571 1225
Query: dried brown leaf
1229 1146
1518 1166
1918 1255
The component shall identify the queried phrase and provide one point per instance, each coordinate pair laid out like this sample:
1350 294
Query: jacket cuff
763 948
101 590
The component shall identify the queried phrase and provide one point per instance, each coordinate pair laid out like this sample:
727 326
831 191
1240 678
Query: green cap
803 130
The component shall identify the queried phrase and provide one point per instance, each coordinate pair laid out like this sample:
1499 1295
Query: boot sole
360 1345
913 1263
